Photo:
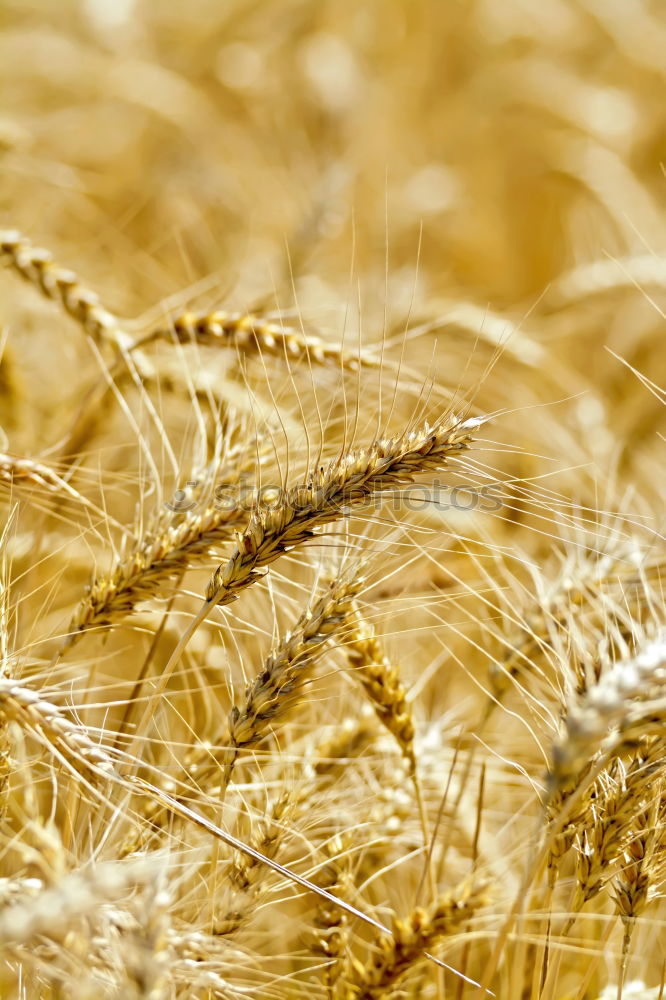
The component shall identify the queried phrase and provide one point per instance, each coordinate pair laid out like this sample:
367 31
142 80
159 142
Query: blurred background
479 150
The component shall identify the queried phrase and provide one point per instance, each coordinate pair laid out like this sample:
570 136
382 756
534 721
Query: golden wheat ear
608 711
254 335
380 680
276 690
329 493
412 935
163 554
38 267
35 712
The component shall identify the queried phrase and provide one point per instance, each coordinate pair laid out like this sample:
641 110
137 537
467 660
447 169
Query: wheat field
332 384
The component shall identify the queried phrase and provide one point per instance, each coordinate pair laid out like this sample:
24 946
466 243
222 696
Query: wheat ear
608 705
77 895
618 794
37 266
411 936
380 679
17 472
253 334
643 868
33 710
246 873
350 739
164 553
607 275
331 932
275 691
329 494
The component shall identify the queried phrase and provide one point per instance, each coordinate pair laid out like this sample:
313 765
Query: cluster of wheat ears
332 623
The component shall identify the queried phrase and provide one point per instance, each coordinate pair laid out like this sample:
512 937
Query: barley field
332 554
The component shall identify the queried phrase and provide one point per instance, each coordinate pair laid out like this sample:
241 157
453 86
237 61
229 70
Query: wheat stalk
236 163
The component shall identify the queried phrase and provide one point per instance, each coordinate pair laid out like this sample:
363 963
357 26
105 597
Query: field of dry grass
332 384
